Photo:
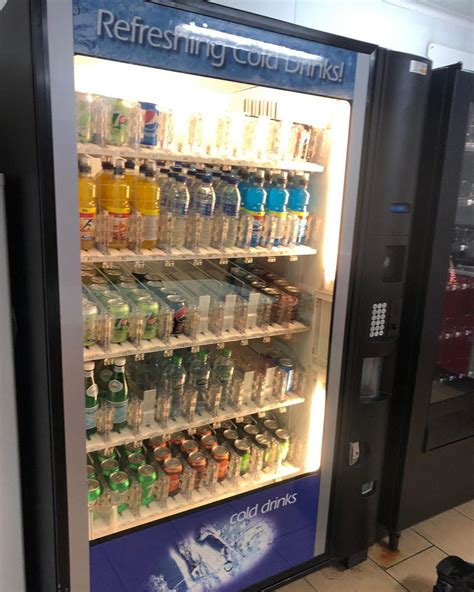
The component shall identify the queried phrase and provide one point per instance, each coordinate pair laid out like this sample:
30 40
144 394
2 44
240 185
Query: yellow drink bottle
104 176
147 203
115 198
87 204
131 178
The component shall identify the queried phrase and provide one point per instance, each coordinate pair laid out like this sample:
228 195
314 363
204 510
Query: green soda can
117 131
119 483
135 461
90 323
146 476
149 309
109 466
84 117
283 439
93 491
105 453
133 448
242 447
120 312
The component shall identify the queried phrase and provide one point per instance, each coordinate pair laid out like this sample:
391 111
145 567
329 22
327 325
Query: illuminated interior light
316 426
336 170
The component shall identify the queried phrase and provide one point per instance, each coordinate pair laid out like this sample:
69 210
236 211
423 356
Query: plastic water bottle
199 376
276 214
166 185
244 183
223 373
178 208
203 212
298 212
174 378
253 213
230 208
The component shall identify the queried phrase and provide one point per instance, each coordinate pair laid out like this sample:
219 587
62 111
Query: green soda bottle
117 394
92 401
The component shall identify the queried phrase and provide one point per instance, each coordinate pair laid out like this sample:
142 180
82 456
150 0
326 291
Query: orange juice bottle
105 175
131 178
115 198
147 203
87 204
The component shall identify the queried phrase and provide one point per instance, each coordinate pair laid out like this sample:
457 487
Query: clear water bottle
199 376
174 378
230 208
204 201
276 213
178 207
223 373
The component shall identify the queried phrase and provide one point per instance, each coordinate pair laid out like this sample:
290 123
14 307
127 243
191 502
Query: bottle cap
160 163
120 361
107 165
181 178
176 169
130 164
89 366
207 179
177 360
232 181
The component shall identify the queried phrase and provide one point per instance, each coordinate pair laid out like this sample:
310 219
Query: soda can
150 309
162 454
135 460
139 274
98 281
208 442
146 477
198 462
152 277
270 277
119 483
86 276
117 133
258 285
203 431
264 442
274 297
150 125
156 442
90 323
132 448
281 283
127 286
283 439
242 448
173 467
189 446
230 436
178 305
105 453
270 425
288 368
251 430
274 355
294 300
221 455
177 439
93 491
84 117
120 312
109 466
113 275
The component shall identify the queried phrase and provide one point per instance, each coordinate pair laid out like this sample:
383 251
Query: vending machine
208 220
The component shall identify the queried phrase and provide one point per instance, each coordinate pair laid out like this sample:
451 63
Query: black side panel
411 468
25 158
388 190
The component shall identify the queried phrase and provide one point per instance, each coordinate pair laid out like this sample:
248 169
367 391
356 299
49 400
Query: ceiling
461 10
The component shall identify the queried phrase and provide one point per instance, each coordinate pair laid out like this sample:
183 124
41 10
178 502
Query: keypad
378 320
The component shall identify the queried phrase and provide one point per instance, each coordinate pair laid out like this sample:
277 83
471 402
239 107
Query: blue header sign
226 548
148 34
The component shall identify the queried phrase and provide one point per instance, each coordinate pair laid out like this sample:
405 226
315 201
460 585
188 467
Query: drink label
92 391
87 223
115 386
90 417
280 228
205 209
120 224
120 411
257 228
230 209
180 208
150 127
150 227
105 375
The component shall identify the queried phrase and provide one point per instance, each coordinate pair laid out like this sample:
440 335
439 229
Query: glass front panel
209 215
454 372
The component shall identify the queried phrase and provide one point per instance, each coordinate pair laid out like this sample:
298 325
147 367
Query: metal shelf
96 256
118 350
180 503
146 153
97 442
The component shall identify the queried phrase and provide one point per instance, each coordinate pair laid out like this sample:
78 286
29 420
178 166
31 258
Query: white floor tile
410 544
299 586
451 531
418 573
366 577
467 509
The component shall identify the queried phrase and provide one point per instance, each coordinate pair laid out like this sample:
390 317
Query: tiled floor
412 568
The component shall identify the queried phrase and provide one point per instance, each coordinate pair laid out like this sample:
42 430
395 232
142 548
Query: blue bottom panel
225 548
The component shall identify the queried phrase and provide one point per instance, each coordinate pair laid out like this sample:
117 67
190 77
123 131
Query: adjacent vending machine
431 432
208 220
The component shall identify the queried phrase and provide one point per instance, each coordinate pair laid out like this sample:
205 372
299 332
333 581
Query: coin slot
371 378
393 264
368 489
